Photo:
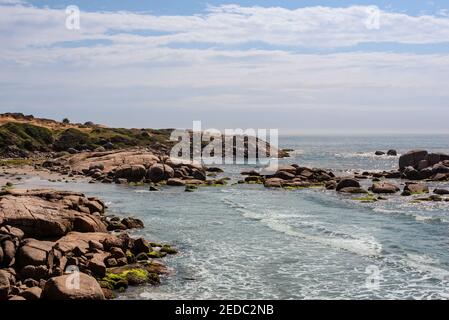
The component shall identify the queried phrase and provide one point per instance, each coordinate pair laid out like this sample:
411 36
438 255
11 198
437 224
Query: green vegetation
25 136
168 249
15 162
30 137
121 280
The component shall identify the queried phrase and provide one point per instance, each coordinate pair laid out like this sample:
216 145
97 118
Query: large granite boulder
111 160
412 158
79 286
159 172
131 172
34 252
49 213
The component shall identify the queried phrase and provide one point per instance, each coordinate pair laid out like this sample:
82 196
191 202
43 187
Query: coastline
144 169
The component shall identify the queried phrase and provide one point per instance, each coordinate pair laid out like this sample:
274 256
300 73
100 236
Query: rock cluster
420 165
45 235
133 166
290 176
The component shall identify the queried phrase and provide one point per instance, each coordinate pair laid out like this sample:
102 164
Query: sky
297 66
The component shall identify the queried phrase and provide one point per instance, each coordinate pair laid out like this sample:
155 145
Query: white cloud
152 72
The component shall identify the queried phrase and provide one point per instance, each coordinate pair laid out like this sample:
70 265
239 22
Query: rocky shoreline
46 233
415 168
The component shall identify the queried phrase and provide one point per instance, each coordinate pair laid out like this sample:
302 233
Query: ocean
248 242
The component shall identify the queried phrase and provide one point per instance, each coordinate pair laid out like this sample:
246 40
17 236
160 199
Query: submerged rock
441 191
347 183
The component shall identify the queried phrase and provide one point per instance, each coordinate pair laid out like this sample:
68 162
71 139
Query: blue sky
183 7
300 66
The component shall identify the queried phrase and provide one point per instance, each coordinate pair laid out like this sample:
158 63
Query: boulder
88 223
253 179
433 158
65 287
423 164
250 173
411 173
48 213
35 273
441 191
4 285
175 182
13 232
347 183
159 172
33 293
81 240
352 190
273 183
304 172
34 252
116 225
198 174
392 152
284 175
416 188
393 175
440 168
441 177
379 153
287 168
141 245
131 172
384 187
117 253
412 158
96 265
132 223
9 252
331 185
424 174
35 216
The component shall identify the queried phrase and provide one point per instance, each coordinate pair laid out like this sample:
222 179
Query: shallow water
247 242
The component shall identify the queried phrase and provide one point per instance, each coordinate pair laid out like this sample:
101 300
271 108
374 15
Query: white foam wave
296 152
366 246
365 155
417 217
427 264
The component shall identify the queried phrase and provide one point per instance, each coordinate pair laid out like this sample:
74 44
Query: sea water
249 242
